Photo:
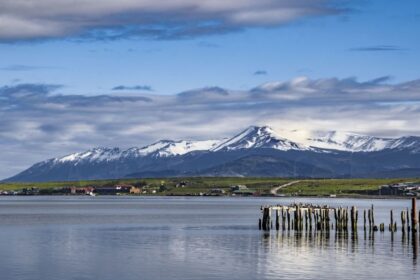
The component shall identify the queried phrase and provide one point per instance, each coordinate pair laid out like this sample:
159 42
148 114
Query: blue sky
325 46
65 68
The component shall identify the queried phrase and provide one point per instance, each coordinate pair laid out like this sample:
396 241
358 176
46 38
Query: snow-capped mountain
351 142
163 148
259 137
256 151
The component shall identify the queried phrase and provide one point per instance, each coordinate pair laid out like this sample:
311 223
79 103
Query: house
409 189
113 190
82 190
241 190
238 188
135 190
216 192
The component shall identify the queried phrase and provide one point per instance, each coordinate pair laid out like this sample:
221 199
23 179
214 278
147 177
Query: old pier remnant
307 217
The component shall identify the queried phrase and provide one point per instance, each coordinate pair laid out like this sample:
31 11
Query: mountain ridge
320 151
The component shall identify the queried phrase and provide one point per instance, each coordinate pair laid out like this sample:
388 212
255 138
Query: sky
77 74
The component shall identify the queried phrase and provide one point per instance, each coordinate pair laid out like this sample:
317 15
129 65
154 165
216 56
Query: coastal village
133 189
183 188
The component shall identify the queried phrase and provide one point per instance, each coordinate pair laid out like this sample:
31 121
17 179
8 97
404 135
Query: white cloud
36 122
38 19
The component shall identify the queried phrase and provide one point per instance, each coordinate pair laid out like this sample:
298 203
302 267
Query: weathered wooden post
277 220
403 221
407 214
391 222
283 219
370 219
373 216
310 218
413 214
327 222
259 223
353 218
318 218
357 219
336 219
288 219
266 218
364 219
300 219
347 218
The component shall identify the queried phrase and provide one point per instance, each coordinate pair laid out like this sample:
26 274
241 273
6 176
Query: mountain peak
258 137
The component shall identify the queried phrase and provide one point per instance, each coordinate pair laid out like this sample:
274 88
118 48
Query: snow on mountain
259 137
167 148
252 137
163 148
352 142
96 154
345 141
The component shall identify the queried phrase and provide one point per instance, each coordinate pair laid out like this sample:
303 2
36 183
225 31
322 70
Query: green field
196 185
339 187
193 185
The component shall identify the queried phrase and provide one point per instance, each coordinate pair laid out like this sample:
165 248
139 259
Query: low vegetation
197 185
339 187
171 185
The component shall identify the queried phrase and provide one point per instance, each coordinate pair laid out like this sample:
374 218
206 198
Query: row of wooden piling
301 217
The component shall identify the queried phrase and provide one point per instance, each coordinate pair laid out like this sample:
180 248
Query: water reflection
200 238
344 241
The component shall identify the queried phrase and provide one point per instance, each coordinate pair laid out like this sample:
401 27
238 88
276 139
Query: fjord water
188 238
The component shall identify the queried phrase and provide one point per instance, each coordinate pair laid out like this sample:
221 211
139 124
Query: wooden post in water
300 219
364 219
413 214
346 218
336 219
353 218
357 218
407 214
310 218
277 220
297 217
266 219
259 223
373 216
382 227
403 221
288 219
283 219
370 220
391 222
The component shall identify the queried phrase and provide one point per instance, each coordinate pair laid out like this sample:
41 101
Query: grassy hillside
196 185
193 185
338 186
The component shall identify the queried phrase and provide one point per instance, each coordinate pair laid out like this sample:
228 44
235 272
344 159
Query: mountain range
256 151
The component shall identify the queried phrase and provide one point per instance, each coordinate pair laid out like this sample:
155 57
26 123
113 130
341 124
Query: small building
113 190
241 190
238 188
81 190
181 184
135 190
216 192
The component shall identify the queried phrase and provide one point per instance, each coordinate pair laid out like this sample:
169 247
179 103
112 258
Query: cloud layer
37 122
165 19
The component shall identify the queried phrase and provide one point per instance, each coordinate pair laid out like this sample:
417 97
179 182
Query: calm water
187 238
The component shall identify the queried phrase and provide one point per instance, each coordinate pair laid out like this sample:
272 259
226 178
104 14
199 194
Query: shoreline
363 197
